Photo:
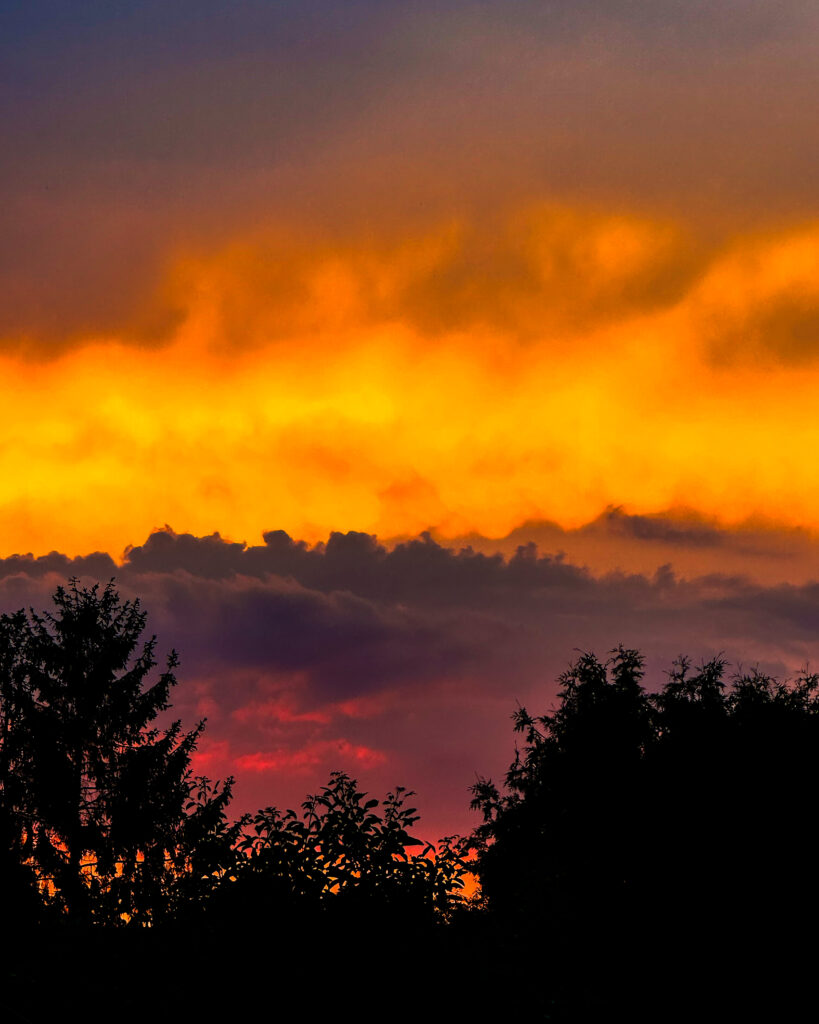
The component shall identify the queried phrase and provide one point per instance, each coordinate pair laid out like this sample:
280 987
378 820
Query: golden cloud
470 377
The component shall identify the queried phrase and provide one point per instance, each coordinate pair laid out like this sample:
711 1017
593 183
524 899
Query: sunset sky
528 291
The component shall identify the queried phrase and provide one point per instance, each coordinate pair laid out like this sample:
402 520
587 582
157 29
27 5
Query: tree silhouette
342 854
563 838
652 845
99 802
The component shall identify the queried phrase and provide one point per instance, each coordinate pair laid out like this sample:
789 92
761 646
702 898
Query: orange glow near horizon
577 360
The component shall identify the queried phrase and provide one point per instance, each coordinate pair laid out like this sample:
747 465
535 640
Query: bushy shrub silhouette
344 855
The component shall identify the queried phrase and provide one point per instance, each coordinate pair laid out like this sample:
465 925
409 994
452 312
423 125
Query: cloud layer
390 267
468 379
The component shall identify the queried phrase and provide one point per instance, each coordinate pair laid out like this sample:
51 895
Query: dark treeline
649 853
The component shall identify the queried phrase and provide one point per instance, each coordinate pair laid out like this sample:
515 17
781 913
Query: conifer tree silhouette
98 801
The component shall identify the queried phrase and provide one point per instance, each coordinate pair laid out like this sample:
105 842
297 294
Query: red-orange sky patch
309 757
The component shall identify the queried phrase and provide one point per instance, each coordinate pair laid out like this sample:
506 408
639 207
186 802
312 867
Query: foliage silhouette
342 854
656 843
97 802
105 823
638 833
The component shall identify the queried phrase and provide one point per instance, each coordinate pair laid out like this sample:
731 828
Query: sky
394 352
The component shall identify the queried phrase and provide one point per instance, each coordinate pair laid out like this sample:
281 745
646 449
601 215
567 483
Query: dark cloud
164 551
694 543
660 528
419 572
342 645
99 565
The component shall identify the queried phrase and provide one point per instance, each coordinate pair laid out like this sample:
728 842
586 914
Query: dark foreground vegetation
650 854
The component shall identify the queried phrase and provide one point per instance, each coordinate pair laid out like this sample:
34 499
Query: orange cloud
468 379
759 304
